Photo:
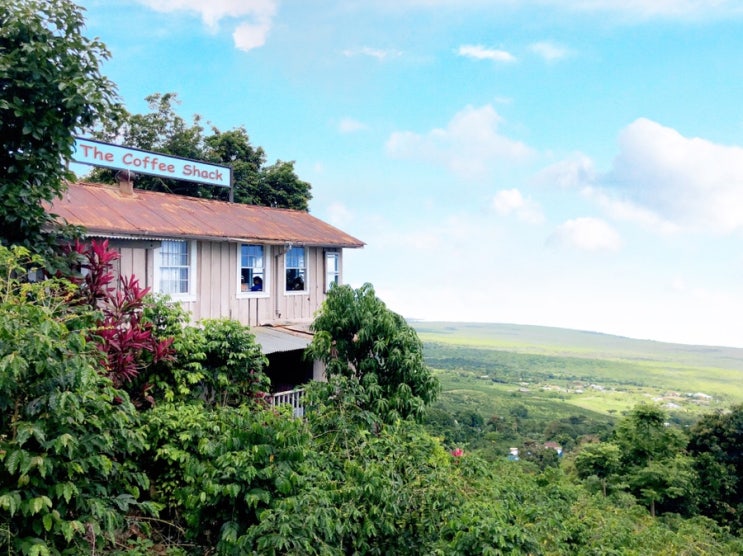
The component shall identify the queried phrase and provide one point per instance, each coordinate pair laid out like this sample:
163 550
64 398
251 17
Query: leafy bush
356 336
123 337
218 361
216 469
375 488
67 436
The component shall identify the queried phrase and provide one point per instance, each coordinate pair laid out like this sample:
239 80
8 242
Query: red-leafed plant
125 340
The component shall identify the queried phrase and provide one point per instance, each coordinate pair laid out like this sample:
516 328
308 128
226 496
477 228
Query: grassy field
566 371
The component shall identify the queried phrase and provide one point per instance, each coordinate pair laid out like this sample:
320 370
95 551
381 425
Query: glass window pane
174 267
296 271
251 268
332 269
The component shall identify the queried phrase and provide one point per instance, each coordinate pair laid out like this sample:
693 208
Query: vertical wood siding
217 284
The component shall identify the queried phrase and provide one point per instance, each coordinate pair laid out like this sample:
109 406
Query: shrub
68 438
217 469
358 337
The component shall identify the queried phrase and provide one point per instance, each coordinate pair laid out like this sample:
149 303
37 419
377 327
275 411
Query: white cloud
469 146
549 51
448 234
635 9
575 171
254 17
350 125
690 182
479 52
625 210
248 36
650 8
510 201
586 234
377 53
339 214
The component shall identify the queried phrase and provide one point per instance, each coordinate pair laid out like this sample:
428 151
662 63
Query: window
175 268
332 269
296 269
252 268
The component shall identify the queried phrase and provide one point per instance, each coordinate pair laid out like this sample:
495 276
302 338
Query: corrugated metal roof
274 340
103 209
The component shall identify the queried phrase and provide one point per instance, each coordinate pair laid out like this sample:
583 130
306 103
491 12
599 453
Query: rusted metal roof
104 210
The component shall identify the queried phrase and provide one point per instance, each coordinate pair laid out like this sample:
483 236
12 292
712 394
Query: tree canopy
163 130
359 338
50 87
716 442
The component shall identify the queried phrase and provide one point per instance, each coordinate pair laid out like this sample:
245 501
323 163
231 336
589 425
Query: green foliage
50 87
374 488
357 337
163 130
666 481
281 187
616 526
66 435
626 371
238 478
644 436
653 460
172 380
217 469
233 363
539 455
601 460
218 361
716 443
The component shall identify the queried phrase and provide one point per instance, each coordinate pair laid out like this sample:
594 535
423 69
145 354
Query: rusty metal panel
103 209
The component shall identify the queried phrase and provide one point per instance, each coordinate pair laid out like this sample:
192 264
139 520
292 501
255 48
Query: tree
668 480
600 460
716 443
359 338
281 187
654 462
163 130
50 88
644 436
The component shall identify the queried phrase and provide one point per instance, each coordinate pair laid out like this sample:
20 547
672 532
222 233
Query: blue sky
572 163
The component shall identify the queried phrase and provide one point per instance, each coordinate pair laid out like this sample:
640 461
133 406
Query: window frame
265 292
332 254
306 273
190 295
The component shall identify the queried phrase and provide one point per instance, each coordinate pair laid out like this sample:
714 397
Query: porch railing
292 397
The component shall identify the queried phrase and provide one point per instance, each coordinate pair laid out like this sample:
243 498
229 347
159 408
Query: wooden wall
217 284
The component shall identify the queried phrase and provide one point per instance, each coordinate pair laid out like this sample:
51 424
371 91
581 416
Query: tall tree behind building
163 130
50 88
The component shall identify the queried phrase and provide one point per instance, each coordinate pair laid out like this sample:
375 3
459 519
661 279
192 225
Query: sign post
116 157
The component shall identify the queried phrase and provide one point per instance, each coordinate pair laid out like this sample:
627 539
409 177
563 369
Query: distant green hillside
560 341
596 372
555 353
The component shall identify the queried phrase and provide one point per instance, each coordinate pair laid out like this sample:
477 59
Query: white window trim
306 289
266 292
192 275
337 254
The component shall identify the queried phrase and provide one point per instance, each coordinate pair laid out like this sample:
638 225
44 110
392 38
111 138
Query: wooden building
268 268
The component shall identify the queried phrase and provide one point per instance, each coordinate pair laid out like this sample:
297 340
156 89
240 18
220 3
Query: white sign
97 153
